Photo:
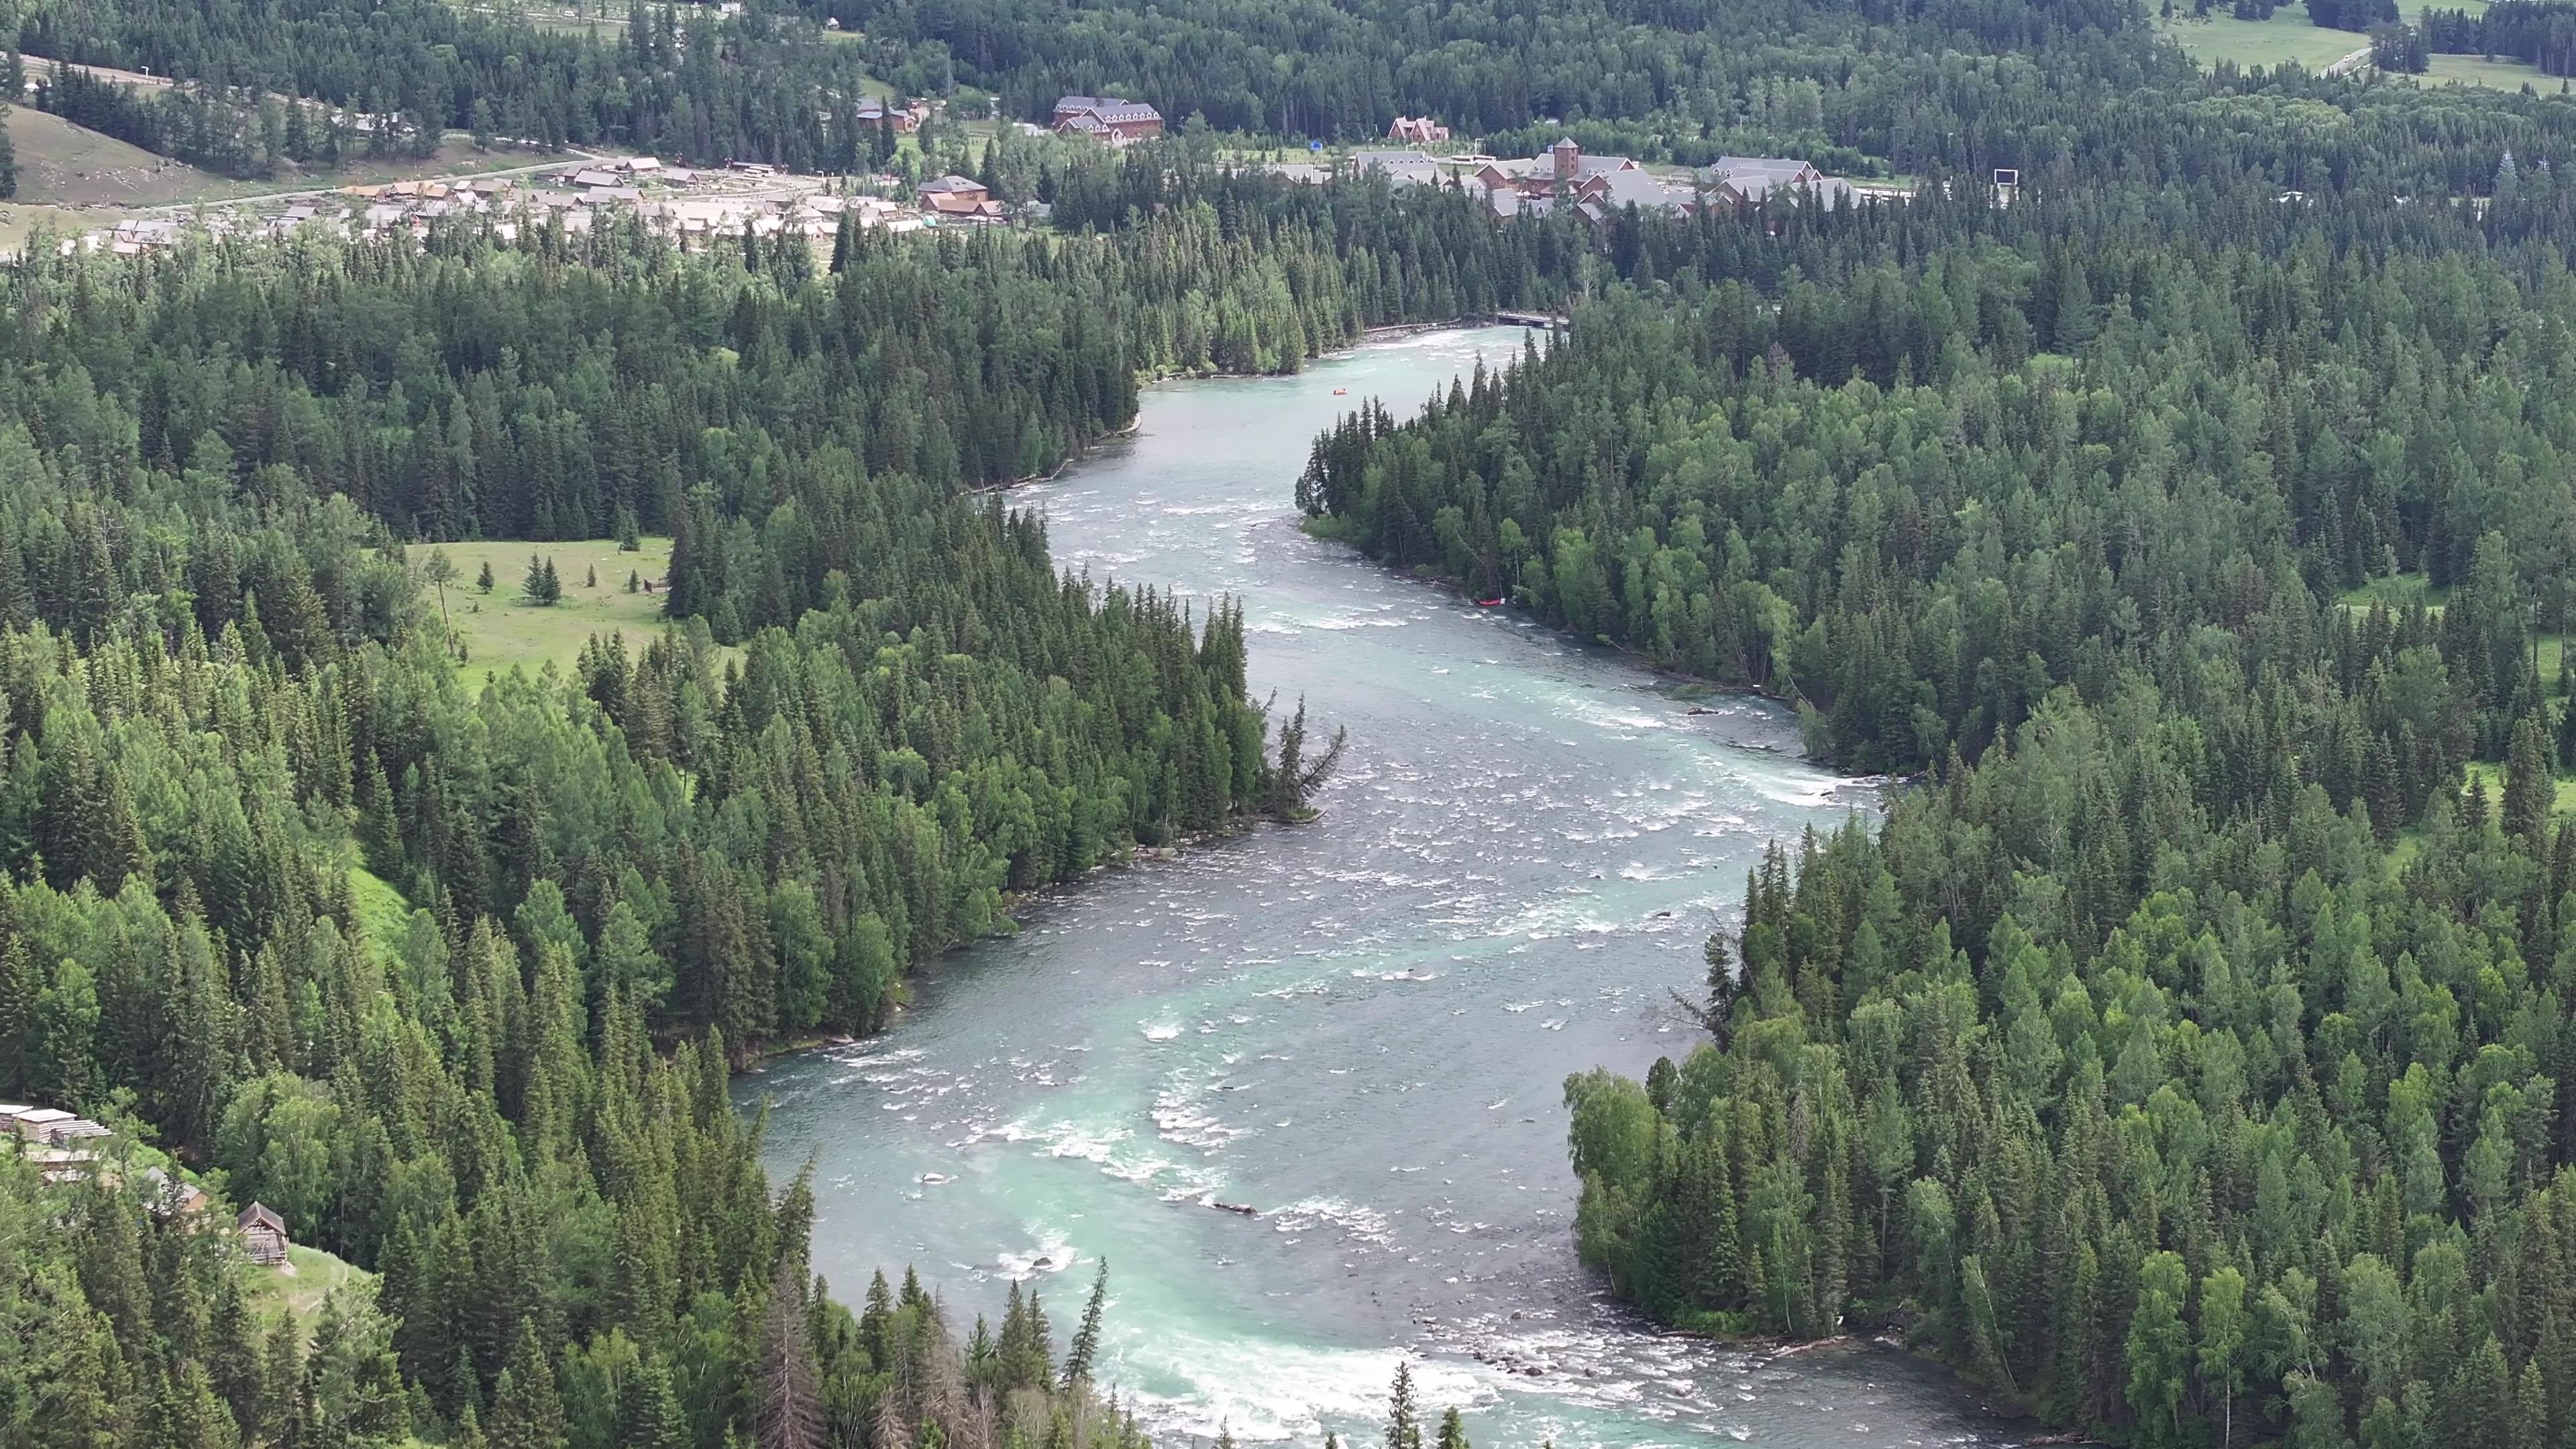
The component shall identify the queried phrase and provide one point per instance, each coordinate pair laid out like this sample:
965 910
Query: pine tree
1086 1339
526 1414
541 586
1403 1419
2530 786
648 1411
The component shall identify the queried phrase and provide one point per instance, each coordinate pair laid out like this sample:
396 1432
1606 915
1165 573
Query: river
1358 1027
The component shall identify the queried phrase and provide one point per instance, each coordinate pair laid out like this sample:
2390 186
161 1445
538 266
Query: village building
57 1166
1557 175
47 1126
1417 130
1110 120
1612 192
174 1197
1401 168
959 198
263 1235
873 111
1601 187
1743 181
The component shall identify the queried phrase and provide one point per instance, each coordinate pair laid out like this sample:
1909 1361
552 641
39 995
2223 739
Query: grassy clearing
2396 591
384 917
2502 75
502 631
60 164
2493 775
300 1283
2288 36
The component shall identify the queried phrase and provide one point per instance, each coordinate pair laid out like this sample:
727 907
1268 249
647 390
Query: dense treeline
677 80
132 1325
2186 1119
1344 71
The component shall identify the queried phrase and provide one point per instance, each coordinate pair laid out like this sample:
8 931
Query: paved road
2350 63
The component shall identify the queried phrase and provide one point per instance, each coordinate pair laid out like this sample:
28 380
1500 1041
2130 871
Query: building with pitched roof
263 1235
1111 120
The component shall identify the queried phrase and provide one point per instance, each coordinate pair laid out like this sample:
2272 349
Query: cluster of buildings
1598 186
1110 120
693 207
66 1148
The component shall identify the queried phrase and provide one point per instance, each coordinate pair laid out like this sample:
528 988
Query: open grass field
61 164
502 631
2505 75
2289 35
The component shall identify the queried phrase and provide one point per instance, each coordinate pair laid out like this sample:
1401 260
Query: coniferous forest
2186 535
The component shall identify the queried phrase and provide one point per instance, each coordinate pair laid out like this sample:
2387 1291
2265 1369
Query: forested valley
2187 1057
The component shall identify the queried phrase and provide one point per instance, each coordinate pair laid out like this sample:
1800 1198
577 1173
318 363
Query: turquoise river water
1359 1027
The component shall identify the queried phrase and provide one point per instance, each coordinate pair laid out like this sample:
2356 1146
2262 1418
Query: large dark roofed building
1110 118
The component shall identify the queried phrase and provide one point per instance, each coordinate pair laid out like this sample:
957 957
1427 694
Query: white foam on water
1265 1392
1180 1118
1052 1253
1357 1221
1088 1144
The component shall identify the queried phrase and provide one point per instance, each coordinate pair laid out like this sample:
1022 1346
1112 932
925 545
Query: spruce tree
526 1414
1086 1339
1403 1417
2530 785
